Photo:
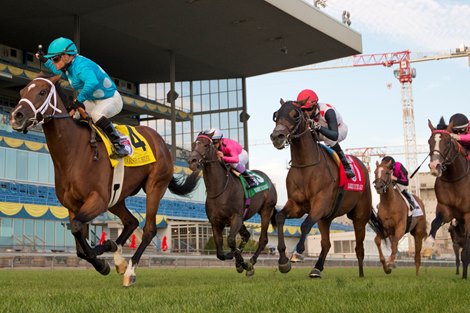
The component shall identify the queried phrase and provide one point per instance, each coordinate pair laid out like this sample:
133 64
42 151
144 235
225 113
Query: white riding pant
106 107
342 133
242 159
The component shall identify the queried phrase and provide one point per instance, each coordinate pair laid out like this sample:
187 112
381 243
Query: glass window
197 123
43 170
2 162
50 231
214 85
223 100
40 234
232 99
6 227
197 104
205 87
214 101
196 88
29 228
224 120
151 92
233 119
18 230
10 163
215 120
232 84
205 102
33 166
223 85
22 165
60 234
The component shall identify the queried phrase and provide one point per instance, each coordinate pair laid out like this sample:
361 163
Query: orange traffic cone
102 238
133 244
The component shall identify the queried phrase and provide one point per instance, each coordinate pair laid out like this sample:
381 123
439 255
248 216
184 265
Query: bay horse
450 165
83 182
393 215
226 205
312 189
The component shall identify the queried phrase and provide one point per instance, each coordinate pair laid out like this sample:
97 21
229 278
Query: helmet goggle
460 129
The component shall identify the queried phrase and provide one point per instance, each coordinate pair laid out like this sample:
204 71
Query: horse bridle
204 160
449 159
385 183
50 102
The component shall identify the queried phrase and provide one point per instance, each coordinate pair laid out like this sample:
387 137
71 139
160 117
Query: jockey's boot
119 148
250 180
344 161
415 209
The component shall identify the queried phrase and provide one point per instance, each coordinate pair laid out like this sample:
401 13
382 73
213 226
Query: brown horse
226 205
393 214
313 189
450 165
83 184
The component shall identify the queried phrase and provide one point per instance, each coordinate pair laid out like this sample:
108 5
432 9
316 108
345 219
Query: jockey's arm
464 138
51 67
90 84
231 157
332 131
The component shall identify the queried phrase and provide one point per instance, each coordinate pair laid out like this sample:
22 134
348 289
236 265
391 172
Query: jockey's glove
40 56
75 105
316 126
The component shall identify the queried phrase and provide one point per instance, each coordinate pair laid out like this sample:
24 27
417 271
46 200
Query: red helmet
310 96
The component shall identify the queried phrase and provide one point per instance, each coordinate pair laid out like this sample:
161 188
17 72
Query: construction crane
405 74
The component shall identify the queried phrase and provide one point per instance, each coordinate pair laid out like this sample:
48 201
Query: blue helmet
61 46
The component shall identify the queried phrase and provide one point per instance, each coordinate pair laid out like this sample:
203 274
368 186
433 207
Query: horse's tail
273 219
184 185
376 224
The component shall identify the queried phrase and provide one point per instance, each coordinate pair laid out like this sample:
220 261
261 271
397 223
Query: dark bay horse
226 206
83 184
457 234
393 215
450 165
312 189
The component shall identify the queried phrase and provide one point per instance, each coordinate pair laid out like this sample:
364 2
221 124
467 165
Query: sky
369 98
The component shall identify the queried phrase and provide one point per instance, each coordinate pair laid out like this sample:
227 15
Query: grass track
224 290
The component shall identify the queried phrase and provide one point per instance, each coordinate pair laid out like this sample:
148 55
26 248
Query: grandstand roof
211 39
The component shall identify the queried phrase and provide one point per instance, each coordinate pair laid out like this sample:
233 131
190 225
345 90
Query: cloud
422 24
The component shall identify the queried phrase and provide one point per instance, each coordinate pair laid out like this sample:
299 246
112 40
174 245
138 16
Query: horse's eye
275 115
43 92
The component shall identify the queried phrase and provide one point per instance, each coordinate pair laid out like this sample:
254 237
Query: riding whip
416 170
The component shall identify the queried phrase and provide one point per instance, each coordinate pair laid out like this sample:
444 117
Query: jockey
232 153
460 130
400 177
97 92
328 123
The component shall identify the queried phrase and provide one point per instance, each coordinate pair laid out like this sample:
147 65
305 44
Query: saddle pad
351 184
142 154
262 184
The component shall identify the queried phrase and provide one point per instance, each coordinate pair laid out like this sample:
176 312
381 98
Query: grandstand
32 219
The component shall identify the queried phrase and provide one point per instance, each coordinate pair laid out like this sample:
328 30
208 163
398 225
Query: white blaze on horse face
435 152
379 172
31 87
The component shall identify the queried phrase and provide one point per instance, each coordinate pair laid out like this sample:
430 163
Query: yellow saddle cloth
141 154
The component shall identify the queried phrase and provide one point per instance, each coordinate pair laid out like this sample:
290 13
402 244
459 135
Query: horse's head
290 121
202 151
443 148
383 176
38 100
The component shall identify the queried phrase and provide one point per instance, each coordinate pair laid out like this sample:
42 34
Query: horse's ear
377 163
282 101
430 125
55 79
302 102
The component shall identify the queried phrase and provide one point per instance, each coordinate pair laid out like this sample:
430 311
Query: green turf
224 290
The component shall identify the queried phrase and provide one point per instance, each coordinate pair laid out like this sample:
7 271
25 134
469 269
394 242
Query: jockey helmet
460 123
61 46
389 159
216 133
310 98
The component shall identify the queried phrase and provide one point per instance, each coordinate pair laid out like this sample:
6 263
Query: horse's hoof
129 280
105 269
250 273
239 268
297 258
388 271
315 273
121 268
112 245
285 268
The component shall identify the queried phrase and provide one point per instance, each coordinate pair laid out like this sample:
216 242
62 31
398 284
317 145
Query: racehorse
457 235
226 203
393 214
83 180
450 165
313 189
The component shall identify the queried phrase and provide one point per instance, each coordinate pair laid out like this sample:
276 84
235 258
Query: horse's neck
390 195
214 177
63 140
304 150
457 168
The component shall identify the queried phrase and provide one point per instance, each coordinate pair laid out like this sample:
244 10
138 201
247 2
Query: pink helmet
310 96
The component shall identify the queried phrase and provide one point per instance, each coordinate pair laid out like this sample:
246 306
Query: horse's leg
360 233
217 233
245 236
457 257
305 229
155 188
435 225
236 224
466 247
378 242
394 247
419 233
284 263
79 230
130 223
324 228
263 239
